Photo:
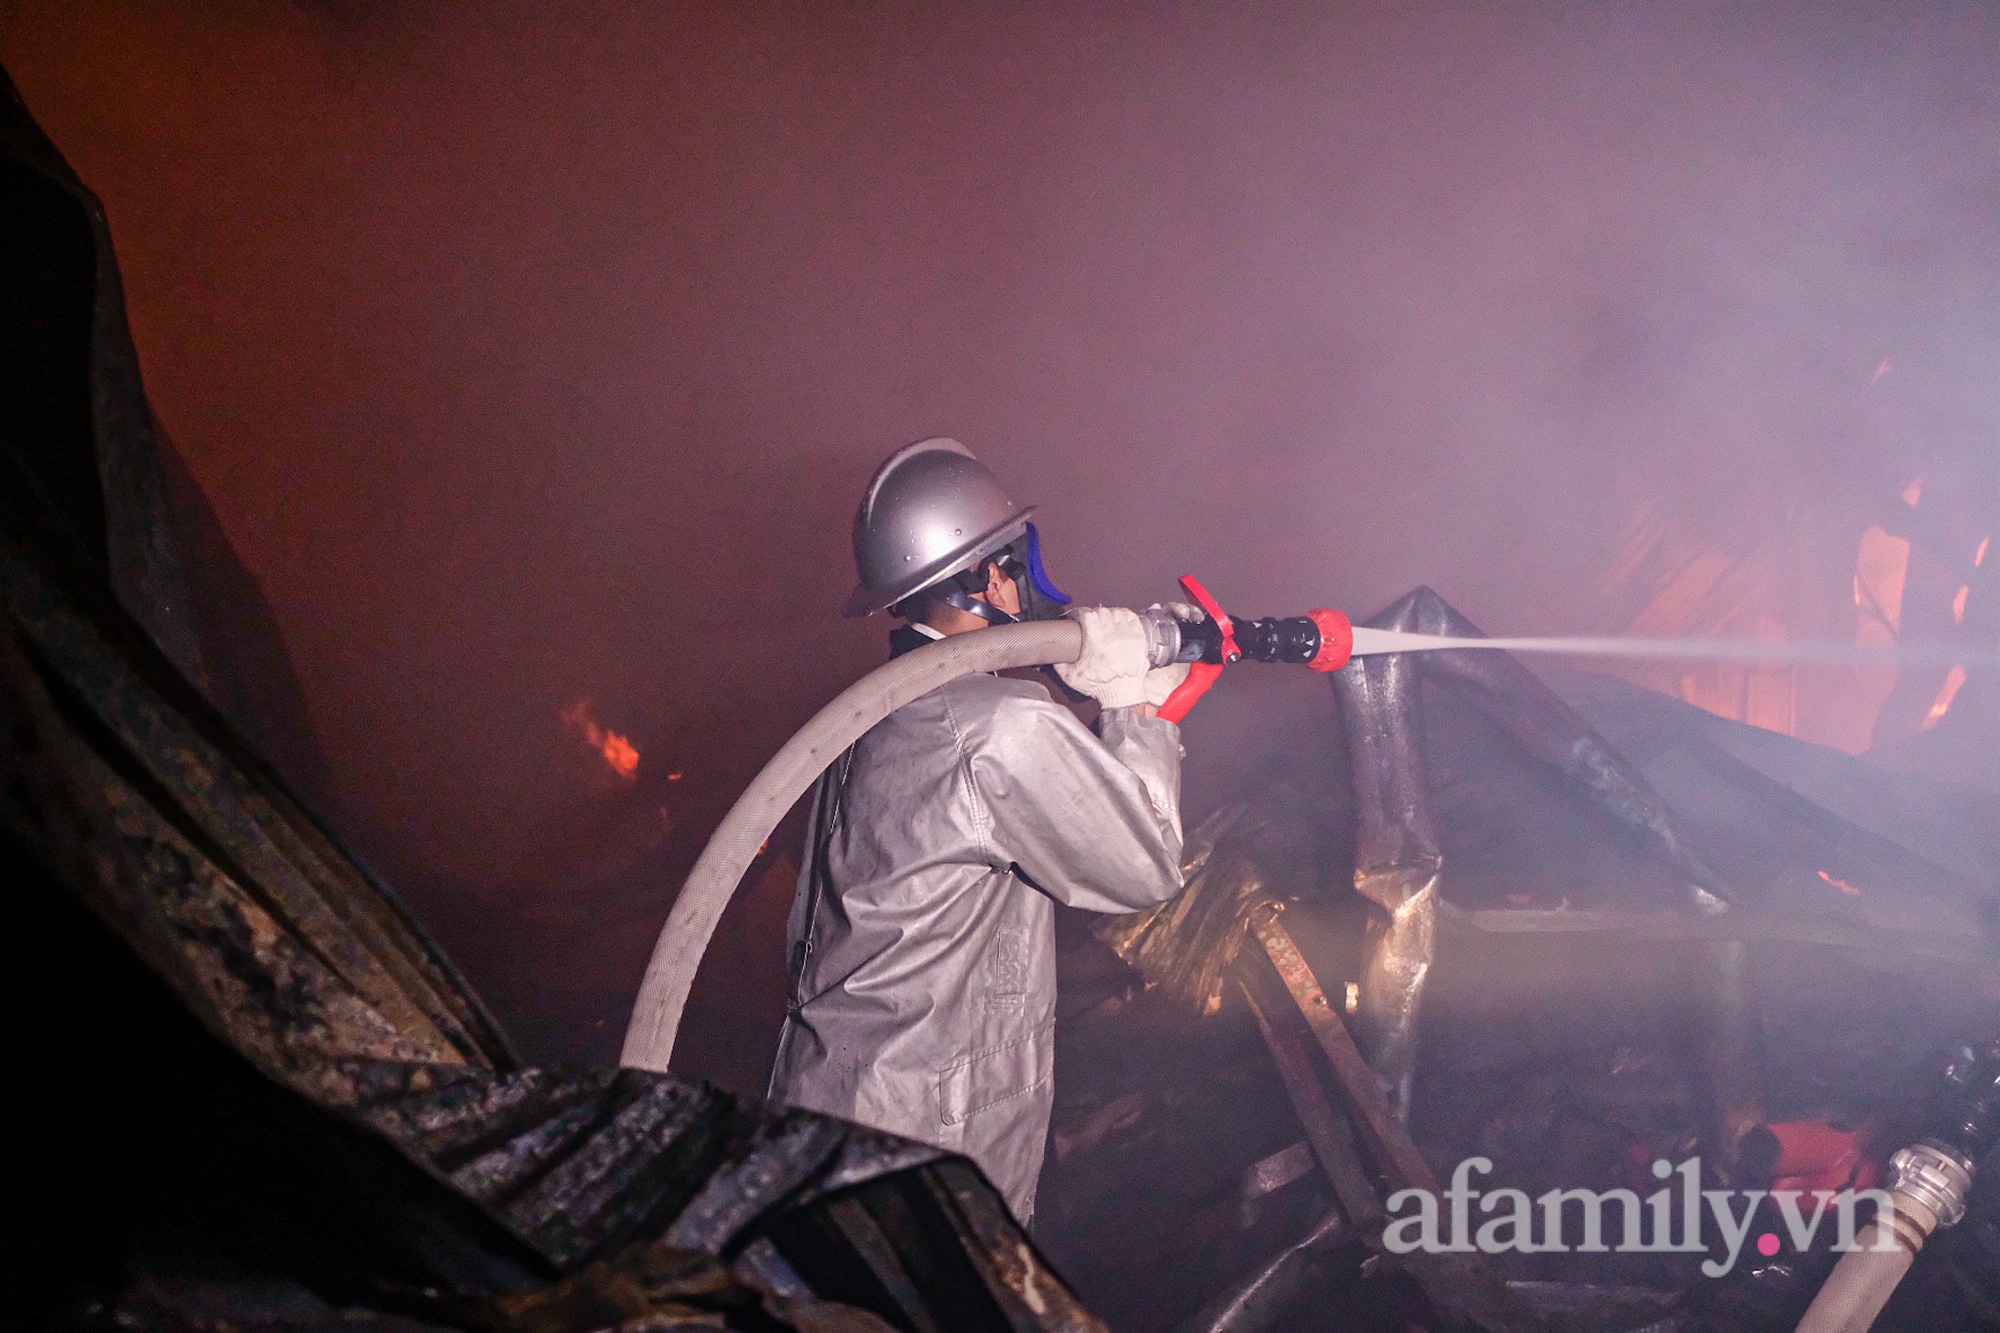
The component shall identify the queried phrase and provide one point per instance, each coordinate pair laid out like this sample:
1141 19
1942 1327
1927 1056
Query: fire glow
1952 682
619 753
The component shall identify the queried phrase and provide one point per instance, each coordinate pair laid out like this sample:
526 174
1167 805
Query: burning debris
1614 1015
257 1095
619 754
1953 682
1600 940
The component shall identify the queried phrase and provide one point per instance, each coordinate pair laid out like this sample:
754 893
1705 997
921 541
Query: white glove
1113 667
1163 681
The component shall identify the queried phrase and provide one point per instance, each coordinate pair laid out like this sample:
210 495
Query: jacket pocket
988 1077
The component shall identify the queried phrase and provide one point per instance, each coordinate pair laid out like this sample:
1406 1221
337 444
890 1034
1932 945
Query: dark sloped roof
256 1088
126 776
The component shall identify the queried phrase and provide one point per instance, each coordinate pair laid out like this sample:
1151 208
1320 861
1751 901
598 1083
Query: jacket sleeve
1092 821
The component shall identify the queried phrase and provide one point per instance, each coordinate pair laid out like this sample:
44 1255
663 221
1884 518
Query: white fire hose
1931 1182
656 1017
1930 1190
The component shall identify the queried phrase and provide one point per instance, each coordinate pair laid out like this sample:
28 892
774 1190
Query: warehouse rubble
259 1095
1563 923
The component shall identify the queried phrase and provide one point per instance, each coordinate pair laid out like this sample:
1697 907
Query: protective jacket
922 936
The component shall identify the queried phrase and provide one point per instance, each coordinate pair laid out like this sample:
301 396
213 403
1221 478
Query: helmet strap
985 610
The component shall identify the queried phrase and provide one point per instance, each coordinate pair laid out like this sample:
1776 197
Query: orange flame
1881 565
618 752
1839 883
1945 696
1979 556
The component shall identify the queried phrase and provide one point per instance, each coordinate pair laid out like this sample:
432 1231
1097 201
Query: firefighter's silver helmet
930 511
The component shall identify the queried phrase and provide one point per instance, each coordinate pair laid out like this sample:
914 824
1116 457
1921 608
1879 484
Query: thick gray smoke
531 353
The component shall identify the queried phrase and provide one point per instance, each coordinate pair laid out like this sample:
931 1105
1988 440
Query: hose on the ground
656 1017
1931 1182
1857 1289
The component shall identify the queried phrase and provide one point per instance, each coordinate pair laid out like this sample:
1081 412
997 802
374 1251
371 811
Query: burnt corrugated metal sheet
258 1088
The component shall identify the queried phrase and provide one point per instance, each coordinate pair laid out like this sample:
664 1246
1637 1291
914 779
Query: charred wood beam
1327 1131
1457 1284
1387 1141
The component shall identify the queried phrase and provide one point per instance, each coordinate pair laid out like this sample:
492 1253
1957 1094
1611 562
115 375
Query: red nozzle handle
1201 675
1336 639
1230 651
1188 693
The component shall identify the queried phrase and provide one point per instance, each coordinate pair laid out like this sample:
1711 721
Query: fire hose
1321 640
1931 1183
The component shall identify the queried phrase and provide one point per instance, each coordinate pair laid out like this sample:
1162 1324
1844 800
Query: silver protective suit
922 937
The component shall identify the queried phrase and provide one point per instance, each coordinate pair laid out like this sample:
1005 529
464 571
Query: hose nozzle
1322 639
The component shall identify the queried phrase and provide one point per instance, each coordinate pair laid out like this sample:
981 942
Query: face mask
1041 599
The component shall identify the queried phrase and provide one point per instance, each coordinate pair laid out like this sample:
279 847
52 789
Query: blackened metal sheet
1242 856
1550 731
582 1160
485 1195
1397 854
580 1166
213 873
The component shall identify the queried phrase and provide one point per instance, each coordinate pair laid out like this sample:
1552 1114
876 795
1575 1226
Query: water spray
1325 640
1371 641
1322 640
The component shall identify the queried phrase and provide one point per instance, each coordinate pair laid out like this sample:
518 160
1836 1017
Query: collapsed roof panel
1535 982
258 1094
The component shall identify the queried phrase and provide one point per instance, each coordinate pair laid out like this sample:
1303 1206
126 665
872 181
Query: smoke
532 353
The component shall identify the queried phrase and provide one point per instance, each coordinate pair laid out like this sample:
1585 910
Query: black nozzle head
1279 638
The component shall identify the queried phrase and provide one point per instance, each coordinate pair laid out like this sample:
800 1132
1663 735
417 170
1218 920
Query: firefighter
923 974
